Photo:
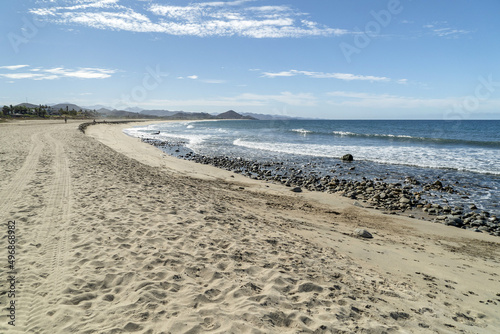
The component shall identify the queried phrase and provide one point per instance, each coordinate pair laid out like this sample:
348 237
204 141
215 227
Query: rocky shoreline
391 198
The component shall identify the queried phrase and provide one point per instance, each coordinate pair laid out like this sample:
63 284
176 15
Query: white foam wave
302 131
479 161
393 136
353 134
344 133
192 140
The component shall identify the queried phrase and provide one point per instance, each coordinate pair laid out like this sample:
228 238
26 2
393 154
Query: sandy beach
113 236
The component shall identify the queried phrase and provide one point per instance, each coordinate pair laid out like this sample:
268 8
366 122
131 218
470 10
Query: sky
335 59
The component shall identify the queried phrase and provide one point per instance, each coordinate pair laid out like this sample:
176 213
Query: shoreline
337 203
114 236
410 198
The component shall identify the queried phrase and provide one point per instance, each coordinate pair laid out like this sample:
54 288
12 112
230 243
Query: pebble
363 233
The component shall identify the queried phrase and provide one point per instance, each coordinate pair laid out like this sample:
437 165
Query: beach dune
113 236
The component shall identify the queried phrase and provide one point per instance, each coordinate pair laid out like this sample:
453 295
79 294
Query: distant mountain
191 115
159 113
121 114
96 107
231 114
28 105
265 117
68 106
134 109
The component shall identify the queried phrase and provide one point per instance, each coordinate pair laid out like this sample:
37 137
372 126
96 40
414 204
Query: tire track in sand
50 231
12 193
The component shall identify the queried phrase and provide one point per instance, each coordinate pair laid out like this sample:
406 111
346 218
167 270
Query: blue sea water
465 154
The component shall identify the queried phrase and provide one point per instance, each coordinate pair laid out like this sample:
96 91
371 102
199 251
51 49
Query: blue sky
324 59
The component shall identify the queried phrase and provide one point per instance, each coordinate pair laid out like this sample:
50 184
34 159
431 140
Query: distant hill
67 106
159 113
133 109
122 114
265 117
191 115
28 105
231 114
95 107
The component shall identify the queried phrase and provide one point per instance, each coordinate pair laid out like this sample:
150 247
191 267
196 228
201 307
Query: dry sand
114 237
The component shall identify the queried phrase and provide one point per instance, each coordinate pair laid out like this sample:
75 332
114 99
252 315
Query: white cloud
322 75
209 81
233 18
56 73
442 29
13 67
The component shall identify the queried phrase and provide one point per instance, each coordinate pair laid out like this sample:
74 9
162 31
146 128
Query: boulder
347 157
454 221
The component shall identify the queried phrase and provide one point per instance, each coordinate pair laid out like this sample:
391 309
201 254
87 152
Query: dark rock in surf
348 158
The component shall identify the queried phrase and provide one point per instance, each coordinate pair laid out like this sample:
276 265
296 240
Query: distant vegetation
27 110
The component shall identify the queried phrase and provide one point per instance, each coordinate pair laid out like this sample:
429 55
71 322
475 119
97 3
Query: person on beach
65 119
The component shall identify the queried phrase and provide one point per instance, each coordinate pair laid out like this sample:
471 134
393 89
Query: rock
404 200
297 190
437 184
347 157
363 233
457 222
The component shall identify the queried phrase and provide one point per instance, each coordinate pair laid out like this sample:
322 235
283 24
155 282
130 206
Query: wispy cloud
203 19
39 73
442 29
209 81
383 101
242 100
13 67
322 75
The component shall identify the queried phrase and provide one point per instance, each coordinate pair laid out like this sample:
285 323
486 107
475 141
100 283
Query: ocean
463 154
